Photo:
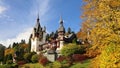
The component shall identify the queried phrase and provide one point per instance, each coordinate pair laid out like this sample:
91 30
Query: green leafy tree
70 49
35 58
56 64
27 57
7 58
29 45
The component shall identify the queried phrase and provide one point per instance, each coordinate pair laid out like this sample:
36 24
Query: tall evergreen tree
69 30
2 50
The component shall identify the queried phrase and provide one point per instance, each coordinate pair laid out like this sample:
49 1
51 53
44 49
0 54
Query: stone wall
51 57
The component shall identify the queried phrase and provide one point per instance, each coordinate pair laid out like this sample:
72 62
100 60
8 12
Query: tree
14 44
9 46
56 34
81 35
8 58
9 51
102 18
22 41
47 37
52 34
109 57
27 57
69 30
29 45
2 49
35 58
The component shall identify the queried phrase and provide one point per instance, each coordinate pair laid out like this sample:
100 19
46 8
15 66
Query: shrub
70 49
7 58
79 57
69 60
6 66
34 58
92 53
61 58
27 57
56 64
65 60
21 62
43 60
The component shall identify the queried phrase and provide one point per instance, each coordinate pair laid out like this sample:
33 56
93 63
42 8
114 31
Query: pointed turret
61 21
38 18
61 33
38 26
61 28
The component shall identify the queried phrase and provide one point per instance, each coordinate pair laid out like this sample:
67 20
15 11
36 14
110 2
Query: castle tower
61 32
38 37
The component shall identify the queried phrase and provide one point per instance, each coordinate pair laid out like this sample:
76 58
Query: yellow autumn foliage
103 18
109 58
9 51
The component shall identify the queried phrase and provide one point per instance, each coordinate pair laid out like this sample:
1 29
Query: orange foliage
9 51
25 45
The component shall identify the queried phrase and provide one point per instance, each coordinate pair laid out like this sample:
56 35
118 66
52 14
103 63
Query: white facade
34 44
38 37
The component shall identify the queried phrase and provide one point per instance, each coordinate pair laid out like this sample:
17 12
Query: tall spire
61 27
38 18
61 20
38 13
38 22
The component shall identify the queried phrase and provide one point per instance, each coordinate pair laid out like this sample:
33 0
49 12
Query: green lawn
7 66
84 64
32 65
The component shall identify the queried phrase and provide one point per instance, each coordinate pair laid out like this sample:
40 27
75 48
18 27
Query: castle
38 37
39 43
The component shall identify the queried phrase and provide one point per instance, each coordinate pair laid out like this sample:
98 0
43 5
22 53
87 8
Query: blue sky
18 17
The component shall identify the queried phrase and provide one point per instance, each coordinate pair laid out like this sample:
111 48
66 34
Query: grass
32 65
7 66
84 64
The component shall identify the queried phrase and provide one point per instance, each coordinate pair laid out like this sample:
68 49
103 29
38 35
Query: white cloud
2 9
44 7
24 35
